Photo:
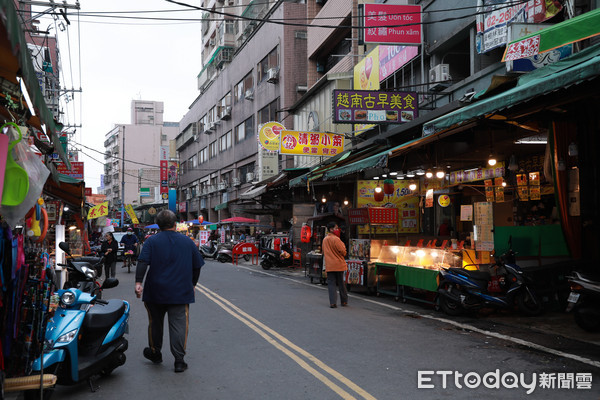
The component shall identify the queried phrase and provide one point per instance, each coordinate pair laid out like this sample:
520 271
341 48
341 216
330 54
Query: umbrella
193 222
153 226
239 220
208 223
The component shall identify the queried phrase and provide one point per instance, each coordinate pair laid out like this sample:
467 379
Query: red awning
239 220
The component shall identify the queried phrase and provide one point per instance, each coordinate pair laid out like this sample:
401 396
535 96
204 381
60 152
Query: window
243 86
239 133
270 61
226 177
193 162
203 123
224 103
213 115
203 155
249 127
225 141
244 171
212 149
268 113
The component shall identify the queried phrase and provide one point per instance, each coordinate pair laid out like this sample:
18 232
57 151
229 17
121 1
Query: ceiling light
412 186
378 189
440 174
492 160
410 174
428 174
393 173
323 199
420 172
384 176
375 177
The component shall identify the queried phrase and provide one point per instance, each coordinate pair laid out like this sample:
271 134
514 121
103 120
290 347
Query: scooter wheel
529 305
449 306
267 266
587 319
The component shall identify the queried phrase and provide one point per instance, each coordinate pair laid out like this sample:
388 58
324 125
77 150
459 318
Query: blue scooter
462 290
84 339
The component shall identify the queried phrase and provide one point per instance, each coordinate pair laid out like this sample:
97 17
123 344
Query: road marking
280 342
457 324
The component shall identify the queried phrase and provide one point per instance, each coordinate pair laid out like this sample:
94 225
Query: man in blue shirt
173 263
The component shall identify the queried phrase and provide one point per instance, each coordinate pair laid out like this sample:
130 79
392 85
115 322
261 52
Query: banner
164 176
311 143
100 210
131 214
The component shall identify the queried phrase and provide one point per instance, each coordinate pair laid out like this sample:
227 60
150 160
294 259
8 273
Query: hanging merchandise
305 234
16 181
37 221
378 194
36 174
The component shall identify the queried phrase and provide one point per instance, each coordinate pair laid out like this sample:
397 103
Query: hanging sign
98 211
131 214
391 23
444 200
311 143
429 198
383 215
358 216
269 135
374 106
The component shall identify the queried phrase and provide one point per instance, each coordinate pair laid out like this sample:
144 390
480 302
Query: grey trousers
110 270
336 279
178 315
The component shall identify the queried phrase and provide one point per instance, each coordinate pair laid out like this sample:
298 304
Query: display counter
403 271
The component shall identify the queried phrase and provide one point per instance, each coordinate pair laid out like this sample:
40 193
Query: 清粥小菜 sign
374 106
300 143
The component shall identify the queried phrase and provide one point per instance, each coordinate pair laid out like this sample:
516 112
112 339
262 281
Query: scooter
82 272
84 339
224 255
584 300
461 290
276 258
210 251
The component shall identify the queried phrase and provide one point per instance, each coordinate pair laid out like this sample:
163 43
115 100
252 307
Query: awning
578 68
221 206
253 192
376 161
570 31
15 61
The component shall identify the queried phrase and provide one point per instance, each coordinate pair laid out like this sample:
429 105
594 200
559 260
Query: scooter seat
102 316
477 275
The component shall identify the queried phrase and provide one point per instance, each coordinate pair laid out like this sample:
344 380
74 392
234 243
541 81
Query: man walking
334 252
173 263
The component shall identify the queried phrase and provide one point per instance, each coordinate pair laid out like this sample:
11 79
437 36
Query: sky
123 60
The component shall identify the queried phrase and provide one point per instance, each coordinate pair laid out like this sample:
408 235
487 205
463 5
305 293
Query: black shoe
333 306
180 366
156 358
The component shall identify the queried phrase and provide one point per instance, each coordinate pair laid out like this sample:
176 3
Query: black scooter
82 272
584 300
277 258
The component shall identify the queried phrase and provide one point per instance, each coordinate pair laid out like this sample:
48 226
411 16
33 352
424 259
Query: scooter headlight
88 272
67 298
67 337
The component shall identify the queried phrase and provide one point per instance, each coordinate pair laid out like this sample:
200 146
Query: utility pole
123 181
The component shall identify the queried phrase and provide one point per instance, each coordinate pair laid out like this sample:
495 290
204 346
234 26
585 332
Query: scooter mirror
110 283
64 246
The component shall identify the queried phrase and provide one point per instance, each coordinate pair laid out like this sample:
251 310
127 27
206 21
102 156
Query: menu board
483 226
355 274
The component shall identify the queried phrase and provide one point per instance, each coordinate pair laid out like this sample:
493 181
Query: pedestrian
109 249
130 243
173 263
334 252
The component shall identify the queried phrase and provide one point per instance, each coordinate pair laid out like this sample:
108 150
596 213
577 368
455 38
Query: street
258 334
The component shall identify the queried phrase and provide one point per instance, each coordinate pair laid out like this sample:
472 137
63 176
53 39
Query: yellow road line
261 329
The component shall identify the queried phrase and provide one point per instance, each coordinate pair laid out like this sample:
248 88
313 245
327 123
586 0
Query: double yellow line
300 356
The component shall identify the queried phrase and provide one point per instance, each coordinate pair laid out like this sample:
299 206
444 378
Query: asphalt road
271 335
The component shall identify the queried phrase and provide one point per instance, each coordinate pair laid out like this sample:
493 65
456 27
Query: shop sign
489 190
392 58
311 143
88 191
383 215
366 77
466 212
164 153
499 189
355 274
477 174
429 198
183 206
152 211
164 177
144 192
100 210
364 106
358 216
444 200
390 23
269 135
76 170
131 214
114 222
172 173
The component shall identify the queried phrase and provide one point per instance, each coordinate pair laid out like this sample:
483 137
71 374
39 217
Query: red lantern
305 234
388 186
201 219
378 194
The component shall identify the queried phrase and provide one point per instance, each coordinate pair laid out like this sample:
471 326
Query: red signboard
88 191
358 216
243 248
164 176
383 215
76 170
388 23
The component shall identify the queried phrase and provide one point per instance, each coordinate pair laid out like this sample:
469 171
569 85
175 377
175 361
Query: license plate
573 297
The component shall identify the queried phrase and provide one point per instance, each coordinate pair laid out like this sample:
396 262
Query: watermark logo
508 380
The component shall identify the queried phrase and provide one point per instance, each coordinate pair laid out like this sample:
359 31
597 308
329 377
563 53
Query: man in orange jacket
334 252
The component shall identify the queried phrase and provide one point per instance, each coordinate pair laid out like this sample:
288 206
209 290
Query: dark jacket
111 257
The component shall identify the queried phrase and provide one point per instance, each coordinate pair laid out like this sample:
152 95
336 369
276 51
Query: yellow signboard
366 77
131 214
269 134
403 199
100 210
300 143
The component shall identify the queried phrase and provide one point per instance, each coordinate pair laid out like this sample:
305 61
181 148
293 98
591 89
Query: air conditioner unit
231 2
235 181
211 188
273 75
249 176
212 42
249 95
439 77
222 185
226 114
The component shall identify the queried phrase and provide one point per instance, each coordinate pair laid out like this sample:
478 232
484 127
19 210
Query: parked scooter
462 290
82 272
84 338
277 258
584 300
210 250
224 255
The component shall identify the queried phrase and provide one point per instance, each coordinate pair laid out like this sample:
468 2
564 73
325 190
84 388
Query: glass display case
418 257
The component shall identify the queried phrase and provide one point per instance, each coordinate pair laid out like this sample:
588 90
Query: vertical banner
173 200
164 176
489 190
499 189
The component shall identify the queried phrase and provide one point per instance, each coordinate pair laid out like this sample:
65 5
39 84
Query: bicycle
128 261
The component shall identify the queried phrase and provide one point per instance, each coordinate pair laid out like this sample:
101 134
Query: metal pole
123 180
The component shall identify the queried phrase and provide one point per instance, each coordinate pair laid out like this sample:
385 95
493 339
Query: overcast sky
123 60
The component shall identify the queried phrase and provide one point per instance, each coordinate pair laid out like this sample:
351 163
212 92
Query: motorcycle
83 339
276 258
82 272
225 255
461 290
210 250
584 300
